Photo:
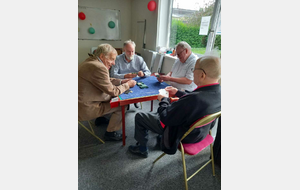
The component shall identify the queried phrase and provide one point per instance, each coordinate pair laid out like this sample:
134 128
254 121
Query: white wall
140 12
125 7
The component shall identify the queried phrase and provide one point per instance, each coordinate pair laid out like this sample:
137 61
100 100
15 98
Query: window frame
167 15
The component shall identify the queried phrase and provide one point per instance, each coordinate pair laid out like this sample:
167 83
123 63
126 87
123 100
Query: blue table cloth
153 87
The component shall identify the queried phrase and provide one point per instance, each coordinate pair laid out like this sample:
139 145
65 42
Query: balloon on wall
111 24
151 5
81 15
91 30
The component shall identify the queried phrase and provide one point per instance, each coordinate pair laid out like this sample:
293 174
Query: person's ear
101 56
203 75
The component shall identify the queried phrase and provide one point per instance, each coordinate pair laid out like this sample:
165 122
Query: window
185 25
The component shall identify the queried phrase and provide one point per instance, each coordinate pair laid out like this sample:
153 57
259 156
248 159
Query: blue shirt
123 67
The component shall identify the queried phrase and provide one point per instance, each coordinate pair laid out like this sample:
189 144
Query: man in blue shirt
129 65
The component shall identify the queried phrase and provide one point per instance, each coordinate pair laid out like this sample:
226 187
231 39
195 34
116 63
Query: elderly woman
96 88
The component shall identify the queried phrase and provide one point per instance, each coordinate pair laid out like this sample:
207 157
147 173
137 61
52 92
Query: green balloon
111 24
91 30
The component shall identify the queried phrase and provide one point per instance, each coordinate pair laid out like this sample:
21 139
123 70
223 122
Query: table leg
151 105
123 124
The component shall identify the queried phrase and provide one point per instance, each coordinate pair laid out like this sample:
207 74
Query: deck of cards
141 85
156 74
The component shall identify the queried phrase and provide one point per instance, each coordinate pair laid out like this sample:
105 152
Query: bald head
211 66
207 70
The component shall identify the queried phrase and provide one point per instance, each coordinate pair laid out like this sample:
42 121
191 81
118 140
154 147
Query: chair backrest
119 50
93 49
146 57
168 63
157 63
202 122
149 57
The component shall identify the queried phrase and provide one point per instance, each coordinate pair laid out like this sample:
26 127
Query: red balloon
151 5
81 15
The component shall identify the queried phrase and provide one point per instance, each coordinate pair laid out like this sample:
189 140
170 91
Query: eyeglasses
199 69
180 52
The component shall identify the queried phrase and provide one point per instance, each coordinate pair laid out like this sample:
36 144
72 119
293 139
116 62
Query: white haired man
181 75
129 65
96 88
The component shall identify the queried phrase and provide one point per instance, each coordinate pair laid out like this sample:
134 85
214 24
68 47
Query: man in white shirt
181 75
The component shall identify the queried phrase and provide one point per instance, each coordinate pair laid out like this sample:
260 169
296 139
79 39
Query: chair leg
91 132
184 167
159 157
141 105
212 157
93 124
91 127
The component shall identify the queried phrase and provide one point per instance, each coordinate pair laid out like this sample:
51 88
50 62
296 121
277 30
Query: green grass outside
199 50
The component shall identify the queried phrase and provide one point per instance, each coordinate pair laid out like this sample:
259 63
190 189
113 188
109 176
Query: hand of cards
164 92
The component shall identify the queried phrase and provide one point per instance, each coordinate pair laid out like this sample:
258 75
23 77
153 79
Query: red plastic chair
195 148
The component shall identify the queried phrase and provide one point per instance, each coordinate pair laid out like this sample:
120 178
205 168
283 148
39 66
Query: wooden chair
91 131
195 148
119 50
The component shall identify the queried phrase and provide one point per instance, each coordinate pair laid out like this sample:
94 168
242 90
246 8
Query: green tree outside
187 29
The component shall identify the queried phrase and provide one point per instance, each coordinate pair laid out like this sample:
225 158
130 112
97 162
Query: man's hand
159 97
141 74
130 75
172 91
159 79
124 81
131 83
165 77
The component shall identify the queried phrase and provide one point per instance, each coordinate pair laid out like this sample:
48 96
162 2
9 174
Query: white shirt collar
99 59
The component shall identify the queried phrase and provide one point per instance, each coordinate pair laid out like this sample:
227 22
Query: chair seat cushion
195 148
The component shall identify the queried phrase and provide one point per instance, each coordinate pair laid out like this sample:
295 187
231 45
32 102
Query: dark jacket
180 115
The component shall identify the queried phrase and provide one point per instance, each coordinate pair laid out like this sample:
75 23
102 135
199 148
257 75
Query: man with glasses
172 120
181 75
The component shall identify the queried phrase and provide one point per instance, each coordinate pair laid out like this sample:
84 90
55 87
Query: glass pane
186 20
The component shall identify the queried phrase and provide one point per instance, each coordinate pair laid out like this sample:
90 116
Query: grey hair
105 49
129 42
184 45
211 64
